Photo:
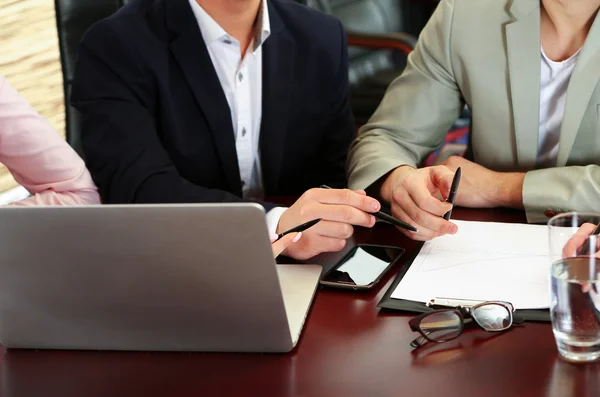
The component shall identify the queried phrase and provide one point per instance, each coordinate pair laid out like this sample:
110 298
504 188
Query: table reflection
90 374
442 353
577 380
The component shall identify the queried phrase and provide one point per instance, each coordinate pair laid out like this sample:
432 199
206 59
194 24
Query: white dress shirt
241 80
554 81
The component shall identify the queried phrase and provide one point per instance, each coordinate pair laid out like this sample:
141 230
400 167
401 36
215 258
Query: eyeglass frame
415 322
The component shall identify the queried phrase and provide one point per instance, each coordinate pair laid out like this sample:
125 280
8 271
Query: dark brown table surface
347 348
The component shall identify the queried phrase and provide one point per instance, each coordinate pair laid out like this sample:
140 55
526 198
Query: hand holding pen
453 190
339 210
414 198
280 242
387 218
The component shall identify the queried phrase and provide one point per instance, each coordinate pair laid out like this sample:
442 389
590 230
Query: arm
123 150
559 189
38 158
339 132
575 188
417 110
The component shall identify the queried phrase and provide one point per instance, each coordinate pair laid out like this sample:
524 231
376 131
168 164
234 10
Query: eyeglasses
447 324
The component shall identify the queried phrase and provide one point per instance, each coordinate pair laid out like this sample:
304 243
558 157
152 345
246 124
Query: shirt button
244 131
243 183
240 76
227 40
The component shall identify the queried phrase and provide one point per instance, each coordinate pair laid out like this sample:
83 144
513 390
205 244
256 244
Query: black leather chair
73 19
378 47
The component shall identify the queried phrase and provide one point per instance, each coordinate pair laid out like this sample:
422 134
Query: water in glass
575 308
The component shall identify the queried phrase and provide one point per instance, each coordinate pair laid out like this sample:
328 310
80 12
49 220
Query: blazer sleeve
340 129
116 97
562 189
38 158
417 110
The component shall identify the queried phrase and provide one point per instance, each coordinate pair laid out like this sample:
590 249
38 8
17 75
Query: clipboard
389 303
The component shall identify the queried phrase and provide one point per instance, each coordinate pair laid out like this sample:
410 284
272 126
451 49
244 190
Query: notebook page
483 261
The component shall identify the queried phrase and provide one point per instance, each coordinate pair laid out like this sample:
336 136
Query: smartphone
362 267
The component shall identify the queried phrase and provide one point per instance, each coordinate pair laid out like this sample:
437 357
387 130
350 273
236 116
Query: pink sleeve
38 158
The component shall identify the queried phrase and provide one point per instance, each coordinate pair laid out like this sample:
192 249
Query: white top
554 82
241 80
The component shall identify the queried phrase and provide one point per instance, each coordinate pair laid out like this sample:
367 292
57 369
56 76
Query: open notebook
483 261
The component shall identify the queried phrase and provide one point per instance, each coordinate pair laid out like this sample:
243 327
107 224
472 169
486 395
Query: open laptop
189 277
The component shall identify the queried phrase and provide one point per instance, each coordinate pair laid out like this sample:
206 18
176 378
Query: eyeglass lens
492 317
441 326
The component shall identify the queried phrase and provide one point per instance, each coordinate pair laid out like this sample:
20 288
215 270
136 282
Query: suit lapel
190 52
279 52
524 57
581 87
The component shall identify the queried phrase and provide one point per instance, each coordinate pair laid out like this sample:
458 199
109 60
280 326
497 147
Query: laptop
185 277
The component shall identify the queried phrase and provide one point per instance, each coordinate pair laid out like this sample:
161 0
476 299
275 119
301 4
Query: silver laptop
197 277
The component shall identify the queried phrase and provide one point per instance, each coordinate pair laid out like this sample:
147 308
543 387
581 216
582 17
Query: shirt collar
212 31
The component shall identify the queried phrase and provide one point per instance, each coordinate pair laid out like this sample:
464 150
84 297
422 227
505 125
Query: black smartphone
362 267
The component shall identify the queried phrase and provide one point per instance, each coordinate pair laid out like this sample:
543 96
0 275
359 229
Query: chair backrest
372 17
365 16
73 19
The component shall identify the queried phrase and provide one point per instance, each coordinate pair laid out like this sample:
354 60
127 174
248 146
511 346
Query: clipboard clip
452 302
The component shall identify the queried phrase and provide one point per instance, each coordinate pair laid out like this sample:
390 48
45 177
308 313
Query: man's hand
578 240
483 188
411 193
339 210
417 195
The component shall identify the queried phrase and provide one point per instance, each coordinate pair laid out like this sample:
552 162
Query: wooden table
348 348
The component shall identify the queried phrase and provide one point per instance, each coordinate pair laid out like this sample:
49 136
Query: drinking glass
575 285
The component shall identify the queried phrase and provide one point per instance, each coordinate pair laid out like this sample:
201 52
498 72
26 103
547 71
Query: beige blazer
487 54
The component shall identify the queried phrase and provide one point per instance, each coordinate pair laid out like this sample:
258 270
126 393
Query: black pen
299 228
388 218
452 195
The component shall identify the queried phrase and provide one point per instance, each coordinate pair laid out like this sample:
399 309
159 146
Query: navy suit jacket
156 123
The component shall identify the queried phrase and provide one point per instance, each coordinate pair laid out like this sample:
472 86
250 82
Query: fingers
421 189
426 202
441 180
414 203
339 213
586 229
423 234
578 240
285 242
345 197
430 224
333 229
